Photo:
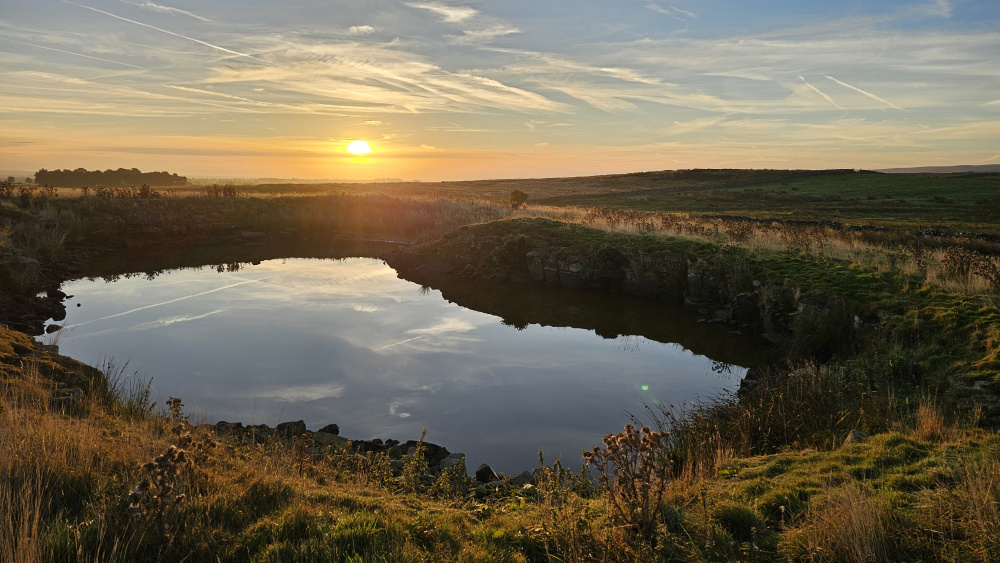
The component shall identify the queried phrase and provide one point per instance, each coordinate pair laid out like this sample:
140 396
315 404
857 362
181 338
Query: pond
493 371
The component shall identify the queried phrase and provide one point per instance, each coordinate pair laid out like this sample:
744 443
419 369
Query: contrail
205 43
397 343
71 53
821 93
860 91
165 302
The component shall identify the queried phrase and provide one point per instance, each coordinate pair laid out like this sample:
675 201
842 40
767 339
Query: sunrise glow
488 89
359 148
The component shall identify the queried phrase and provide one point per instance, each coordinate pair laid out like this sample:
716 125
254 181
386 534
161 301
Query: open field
964 202
893 331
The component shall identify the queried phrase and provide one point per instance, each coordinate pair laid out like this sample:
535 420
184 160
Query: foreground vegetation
891 330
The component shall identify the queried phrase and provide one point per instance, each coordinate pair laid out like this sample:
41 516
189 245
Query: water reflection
348 342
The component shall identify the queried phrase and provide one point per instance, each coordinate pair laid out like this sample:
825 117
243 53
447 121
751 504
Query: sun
359 147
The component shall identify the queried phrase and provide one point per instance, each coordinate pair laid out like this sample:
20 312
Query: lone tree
517 198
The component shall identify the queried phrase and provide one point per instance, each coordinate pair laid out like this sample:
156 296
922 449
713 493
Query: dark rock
365 446
328 439
570 280
223 427
437 268
433 453
405 260
293 428
485 474
453 460
331 429
521 479
260 430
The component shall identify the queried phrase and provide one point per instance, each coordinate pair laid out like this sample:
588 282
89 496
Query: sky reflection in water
348 342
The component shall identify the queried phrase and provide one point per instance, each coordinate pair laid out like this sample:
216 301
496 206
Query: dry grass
930 425
848 523
21 506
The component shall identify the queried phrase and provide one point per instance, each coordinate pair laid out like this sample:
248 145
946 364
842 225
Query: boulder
485 474
223 427
293 428
433 453
331 429
328 439
520 480
455 460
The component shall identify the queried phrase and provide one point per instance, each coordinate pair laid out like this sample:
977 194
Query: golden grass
848 523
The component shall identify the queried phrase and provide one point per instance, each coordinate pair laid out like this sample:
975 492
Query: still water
348 342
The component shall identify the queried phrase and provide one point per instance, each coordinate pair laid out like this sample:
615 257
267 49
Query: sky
472 89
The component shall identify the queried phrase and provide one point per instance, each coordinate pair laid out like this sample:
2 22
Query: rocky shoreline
436 459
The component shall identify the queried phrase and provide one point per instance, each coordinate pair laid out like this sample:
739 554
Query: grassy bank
893 332
102 480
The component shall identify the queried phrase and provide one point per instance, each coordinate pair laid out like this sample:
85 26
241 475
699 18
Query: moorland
871 436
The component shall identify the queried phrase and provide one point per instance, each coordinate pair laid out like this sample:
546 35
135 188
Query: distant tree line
122 177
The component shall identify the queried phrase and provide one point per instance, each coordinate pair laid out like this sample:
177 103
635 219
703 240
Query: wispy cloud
161 30
672 11
940 8
445 325
361 30
685 12
315 392
379 78
485 34
153 7
448 13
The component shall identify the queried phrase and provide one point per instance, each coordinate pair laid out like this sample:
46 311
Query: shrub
634 472
511 252
518 198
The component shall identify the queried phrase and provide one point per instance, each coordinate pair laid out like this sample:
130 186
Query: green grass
891 199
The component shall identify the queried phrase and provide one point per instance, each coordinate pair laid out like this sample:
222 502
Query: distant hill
943 169
258 181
